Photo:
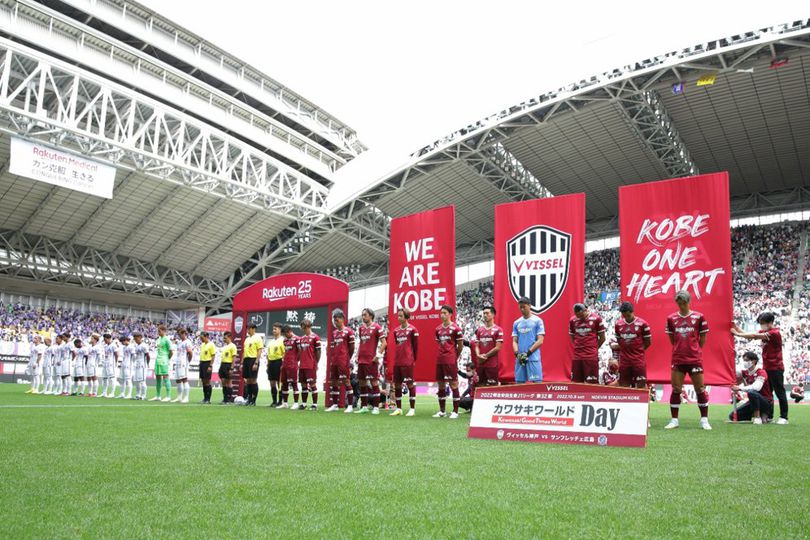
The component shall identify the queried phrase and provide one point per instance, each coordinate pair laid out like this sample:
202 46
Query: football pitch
103 468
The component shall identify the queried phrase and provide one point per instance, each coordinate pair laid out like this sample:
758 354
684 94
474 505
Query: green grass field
81 467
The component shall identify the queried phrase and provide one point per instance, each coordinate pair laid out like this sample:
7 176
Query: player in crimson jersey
587 333
309 352
760 400
633 338
341 349
451 340
488 343
289 368
369 353
406 346
687 331
771 358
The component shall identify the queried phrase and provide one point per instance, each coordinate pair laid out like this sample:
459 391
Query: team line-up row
71 367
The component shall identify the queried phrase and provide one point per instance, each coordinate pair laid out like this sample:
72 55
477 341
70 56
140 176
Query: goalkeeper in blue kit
528 333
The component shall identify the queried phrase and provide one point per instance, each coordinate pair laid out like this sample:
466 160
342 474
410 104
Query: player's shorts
78 369
631 374
339 371
125 372
205 365
586 371
64 368
446 372
531 372
107 370
225 370
161 368
403 374
181 369
289 374
90 369
247 369
33 370
487 375
307 375
688 369
138 373
367 372
274 370
47 368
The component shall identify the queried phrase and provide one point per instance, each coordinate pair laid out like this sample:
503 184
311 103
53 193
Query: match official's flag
675 235
539 253
422 278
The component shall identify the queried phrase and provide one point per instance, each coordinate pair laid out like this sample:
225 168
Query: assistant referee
226 356
207 352
250 364
275 354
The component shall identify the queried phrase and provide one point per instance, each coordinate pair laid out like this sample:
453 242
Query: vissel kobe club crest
538 260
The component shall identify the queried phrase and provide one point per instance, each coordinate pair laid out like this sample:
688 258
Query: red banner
675 235
422 278
540 253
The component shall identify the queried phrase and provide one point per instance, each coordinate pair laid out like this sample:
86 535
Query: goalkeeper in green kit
164 352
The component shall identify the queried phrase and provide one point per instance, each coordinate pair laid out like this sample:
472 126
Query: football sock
314 391
411 396
703 404
274 394
674 403
375 394
398 394
441 394
456 399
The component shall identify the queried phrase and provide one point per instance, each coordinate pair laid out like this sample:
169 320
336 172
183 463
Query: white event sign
60 168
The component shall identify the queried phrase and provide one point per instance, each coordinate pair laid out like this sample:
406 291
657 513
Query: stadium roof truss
491 151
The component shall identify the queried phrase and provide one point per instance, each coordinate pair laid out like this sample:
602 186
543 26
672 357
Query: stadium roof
628 125
192 226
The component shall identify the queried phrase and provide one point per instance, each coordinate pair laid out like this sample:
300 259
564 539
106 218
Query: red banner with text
422 278
674 236
540 254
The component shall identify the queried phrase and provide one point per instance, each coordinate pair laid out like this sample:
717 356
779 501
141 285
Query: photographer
759 407
468 396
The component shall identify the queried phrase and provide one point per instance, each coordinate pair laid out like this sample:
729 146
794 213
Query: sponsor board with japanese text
566 413
59 168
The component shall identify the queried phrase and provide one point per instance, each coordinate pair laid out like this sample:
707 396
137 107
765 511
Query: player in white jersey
109 360
140 361
125 370
56 360
65 356
46 379
79 353
182 359
92 364
35 363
